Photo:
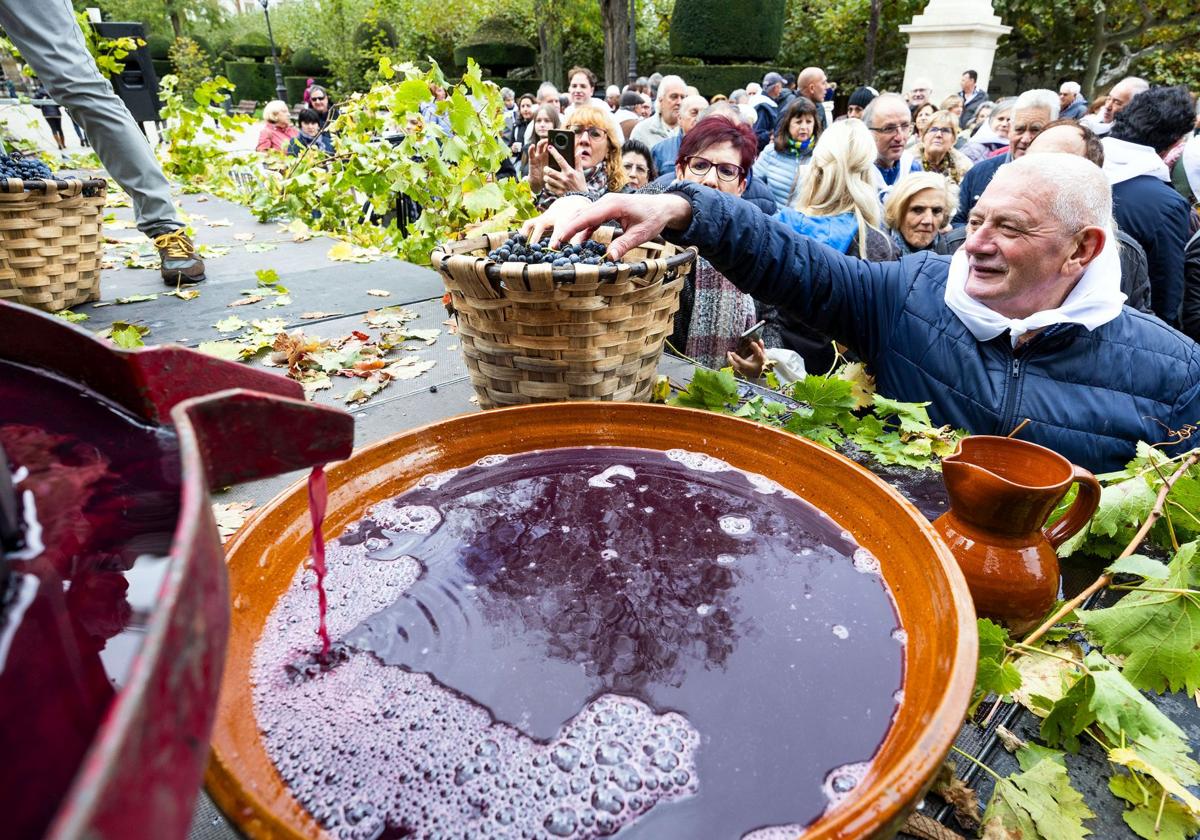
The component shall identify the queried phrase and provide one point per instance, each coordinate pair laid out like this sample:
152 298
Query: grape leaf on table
1037 803
958 794
1173 822
1158 633
993 675
715 390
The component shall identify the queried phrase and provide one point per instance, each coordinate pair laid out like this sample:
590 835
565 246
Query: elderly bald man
1026 321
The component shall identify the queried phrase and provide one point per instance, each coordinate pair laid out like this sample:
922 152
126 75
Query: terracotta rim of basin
931 595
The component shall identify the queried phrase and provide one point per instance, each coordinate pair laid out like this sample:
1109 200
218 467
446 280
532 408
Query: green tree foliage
833 34
190 64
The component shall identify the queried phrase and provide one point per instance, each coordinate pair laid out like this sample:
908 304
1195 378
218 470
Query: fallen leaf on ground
389 317
126 335
955 791
246 301
184 293
220 223
299 230
346 252
243 237
378 293
212 252
311 316
230 517
260 247
231 324
73 317
230 351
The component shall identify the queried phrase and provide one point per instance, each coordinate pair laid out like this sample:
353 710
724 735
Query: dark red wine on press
98 502
579 642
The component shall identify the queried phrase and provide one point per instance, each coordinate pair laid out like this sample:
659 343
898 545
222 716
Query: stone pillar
951 36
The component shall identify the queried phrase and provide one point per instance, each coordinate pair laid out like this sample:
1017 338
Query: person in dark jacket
1190 316
972 96
1033 111
1144 203
1026 322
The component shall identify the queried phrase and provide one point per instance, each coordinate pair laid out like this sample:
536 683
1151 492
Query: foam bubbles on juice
866 562
367 748
735 526
840 782
698 461
605 478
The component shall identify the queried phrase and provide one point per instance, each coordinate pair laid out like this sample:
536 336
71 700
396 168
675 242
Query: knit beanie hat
862 96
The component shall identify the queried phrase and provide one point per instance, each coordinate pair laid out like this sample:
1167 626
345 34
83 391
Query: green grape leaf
128 336
73 317
1158 633
828 398
994 675
1140 565
913 417
487 197
715 390
1030 755
1147 796
1037 803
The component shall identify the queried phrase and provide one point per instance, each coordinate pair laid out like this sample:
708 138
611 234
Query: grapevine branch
1106 578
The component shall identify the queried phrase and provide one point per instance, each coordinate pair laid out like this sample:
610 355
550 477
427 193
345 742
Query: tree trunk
1096 53
550 45
614 15
176 17
872 40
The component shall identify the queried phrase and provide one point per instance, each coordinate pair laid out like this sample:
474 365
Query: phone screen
563 142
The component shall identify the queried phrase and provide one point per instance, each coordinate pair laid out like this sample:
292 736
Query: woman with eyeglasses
918 210
596 169
713 313
638 164
839 206
782 162
936 150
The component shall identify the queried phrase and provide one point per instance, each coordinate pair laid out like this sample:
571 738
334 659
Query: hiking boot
178 258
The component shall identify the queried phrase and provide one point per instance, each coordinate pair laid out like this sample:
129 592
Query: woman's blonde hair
950 101
943 118
589 116
906 190
274 109
839 179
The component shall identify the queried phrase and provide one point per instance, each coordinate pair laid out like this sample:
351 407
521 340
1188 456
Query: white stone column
949 37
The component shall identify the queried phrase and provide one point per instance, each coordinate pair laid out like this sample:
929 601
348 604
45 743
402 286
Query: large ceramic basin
930 594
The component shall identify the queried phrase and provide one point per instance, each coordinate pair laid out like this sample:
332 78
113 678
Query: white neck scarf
1096 299
1124 160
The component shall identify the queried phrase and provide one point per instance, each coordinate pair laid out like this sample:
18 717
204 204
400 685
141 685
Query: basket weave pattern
50 242
534 333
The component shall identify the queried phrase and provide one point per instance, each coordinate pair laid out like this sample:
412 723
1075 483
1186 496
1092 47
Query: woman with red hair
713 313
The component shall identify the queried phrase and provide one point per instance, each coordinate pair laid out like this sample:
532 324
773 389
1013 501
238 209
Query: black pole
280 87
632 41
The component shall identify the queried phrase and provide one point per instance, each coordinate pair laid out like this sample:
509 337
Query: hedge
161 67
498 57
251 80
295 87
718 29
252 50
159 46
308 63
711 79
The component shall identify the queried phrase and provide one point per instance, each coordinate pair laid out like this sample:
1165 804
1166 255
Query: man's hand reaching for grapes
643 217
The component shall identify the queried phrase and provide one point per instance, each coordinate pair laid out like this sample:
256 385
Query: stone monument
951 36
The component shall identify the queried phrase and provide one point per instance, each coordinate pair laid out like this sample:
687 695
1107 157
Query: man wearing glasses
1033 111
1026 321
891 125
320 104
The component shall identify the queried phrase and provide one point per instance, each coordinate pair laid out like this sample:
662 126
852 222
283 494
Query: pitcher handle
1085 504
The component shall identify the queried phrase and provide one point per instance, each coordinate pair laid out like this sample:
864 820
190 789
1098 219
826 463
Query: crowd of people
965 199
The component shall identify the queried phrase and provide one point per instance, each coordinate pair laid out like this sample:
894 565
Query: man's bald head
1121 95
813 84
689 112
1071 138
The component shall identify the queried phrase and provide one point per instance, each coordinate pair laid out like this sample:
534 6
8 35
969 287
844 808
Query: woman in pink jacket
277 130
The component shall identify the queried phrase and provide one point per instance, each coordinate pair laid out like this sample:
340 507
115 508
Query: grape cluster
27 169
516 249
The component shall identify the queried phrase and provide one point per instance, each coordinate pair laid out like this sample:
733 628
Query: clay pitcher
1001 492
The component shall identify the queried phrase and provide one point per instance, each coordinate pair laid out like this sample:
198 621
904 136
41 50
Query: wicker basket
50 244
534 333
